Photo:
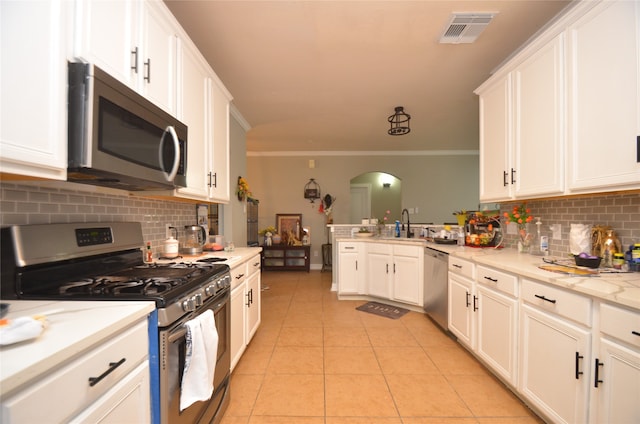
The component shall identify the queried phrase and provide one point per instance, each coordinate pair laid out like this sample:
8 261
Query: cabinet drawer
411 251
381 248
253 265
620 323
498 280
569 305
238 274
348 246
64 393
296 253
462 267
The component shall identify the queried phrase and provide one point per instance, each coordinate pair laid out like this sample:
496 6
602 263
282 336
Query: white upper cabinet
134 41
194 106
521 128
562 116
604 99
218 175
33 133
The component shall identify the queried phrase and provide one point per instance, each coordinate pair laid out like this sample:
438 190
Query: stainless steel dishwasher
436 265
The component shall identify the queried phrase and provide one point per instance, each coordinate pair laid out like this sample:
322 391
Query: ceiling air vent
465 27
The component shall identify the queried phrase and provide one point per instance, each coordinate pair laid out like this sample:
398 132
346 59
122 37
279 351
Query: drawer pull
635 333
456 266
578 372
256 264
475 303
495 280
112 366
468 304
597 380
545 299
349 248
239 276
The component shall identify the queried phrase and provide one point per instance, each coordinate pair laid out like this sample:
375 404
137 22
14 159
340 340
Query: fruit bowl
589 261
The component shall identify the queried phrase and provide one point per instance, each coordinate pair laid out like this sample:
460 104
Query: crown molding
366 153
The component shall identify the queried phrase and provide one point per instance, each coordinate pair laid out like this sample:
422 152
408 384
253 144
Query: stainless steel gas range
103 261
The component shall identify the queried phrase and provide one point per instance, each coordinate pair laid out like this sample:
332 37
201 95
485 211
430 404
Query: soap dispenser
543 241
397 228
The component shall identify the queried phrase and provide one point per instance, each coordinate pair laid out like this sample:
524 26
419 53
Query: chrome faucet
408 223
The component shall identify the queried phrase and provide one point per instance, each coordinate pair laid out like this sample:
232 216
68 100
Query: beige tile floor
317 360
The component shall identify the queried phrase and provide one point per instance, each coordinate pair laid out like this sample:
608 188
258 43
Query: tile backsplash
621 211
45 203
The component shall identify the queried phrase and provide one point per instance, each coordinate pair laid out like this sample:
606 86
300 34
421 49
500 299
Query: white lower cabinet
616 368
74 393
555 352
395 272
245 304
351 268
496 340
462 304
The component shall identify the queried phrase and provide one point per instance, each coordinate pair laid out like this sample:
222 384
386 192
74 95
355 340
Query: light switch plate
556 230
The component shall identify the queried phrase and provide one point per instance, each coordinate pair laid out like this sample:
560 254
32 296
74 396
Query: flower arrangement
521 215
461 216
270 229
242 191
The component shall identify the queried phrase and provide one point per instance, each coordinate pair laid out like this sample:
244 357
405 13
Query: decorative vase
276 239
380 227
267 241
462 218
525 238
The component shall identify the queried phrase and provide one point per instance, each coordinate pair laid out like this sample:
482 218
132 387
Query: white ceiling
325 75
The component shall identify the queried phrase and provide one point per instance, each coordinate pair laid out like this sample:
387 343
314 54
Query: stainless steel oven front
172 340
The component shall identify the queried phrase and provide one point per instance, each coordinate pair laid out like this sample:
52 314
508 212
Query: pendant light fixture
312 190
399 122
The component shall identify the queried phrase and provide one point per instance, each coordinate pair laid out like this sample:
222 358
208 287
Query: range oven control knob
198 299
210 290
189 305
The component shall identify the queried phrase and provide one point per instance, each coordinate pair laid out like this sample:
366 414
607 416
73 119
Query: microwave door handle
176 145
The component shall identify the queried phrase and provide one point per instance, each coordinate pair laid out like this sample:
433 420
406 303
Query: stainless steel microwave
119 139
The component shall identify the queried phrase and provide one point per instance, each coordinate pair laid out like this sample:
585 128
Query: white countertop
234 258
73 328
619 288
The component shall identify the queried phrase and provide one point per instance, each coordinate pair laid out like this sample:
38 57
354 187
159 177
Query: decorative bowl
587 262
363 235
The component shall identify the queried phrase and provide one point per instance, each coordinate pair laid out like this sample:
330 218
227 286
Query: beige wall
436 185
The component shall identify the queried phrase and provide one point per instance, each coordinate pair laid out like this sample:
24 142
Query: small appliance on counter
194 239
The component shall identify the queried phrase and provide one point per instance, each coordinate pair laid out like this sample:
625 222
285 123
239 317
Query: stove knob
189 305
210 290
198 299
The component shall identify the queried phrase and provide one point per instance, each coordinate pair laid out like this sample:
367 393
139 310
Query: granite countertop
609 285
73 327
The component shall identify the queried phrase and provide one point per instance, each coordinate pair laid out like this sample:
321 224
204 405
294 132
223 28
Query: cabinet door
378 275
407 281
33 103
495 141
218 179
238 323
619 384
348 270
127 402
254 305
461 308
539 122
158 56
497 325
554 365
604 97
195 87
107 36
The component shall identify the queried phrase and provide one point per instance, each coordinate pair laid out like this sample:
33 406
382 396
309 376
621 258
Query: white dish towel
200 359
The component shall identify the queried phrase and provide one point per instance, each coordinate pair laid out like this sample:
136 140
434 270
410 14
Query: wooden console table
286 258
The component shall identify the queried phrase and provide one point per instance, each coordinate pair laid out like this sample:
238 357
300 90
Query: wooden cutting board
562 269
